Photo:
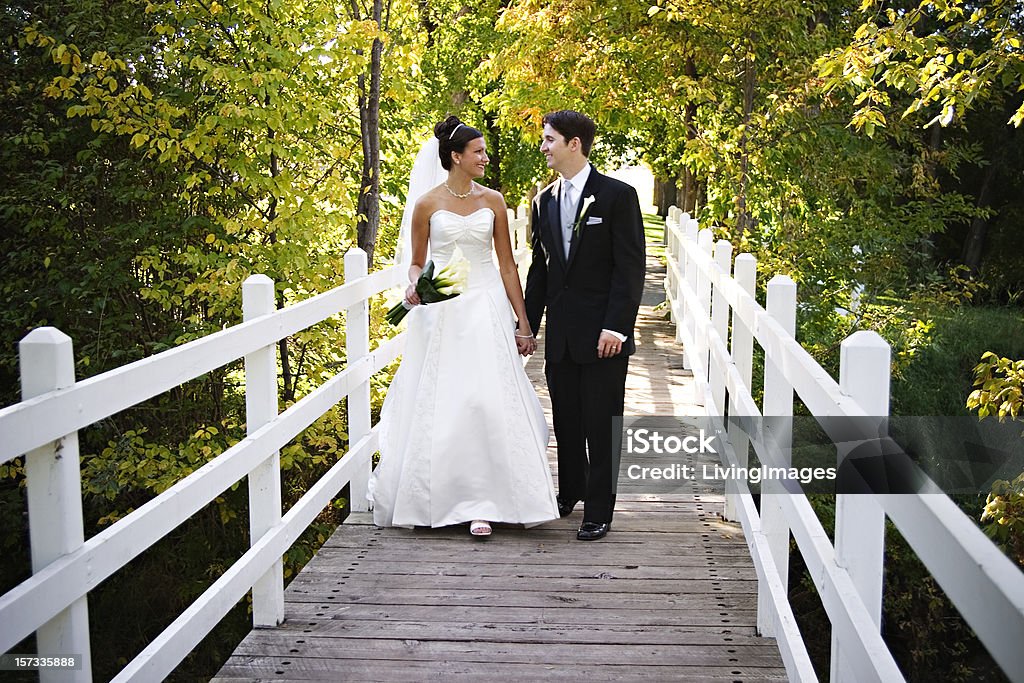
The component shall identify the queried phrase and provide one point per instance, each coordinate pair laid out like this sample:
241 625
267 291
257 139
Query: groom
588 271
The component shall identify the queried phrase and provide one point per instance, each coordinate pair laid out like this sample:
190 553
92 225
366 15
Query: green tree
716 101
156 155
948 55
957 65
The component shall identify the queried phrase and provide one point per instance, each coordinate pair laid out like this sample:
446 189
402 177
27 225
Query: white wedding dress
463 435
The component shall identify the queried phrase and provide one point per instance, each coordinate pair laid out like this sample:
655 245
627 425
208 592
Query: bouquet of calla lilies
447 284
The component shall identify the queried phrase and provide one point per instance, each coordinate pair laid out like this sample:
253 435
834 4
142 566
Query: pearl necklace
456 194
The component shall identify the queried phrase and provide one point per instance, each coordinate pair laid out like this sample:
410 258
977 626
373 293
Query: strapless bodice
471 233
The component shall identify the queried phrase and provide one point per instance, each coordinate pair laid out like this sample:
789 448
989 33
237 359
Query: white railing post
705 244
671 272
357 344
777 408
523 239
676 240
682 257
678 277
54 490
689 277
671 215
674 284
742 352
265 479
720 322
864 370
513 233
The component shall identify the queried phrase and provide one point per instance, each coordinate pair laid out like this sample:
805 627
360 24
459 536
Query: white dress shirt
572 190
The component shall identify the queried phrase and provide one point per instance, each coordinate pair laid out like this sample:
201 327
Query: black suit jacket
598 284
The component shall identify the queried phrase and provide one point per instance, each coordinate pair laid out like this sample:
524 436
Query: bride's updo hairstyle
452 136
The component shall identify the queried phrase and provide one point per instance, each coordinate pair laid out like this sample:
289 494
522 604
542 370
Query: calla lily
587 201
448 284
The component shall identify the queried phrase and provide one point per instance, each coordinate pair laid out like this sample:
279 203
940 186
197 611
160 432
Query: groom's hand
526 346
608 345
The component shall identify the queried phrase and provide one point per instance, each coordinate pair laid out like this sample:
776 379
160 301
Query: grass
654 231
940 375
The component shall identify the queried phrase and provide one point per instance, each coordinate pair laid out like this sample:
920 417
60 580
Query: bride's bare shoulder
493 198
429 202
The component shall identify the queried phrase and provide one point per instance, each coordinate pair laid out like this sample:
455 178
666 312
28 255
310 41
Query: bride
463 437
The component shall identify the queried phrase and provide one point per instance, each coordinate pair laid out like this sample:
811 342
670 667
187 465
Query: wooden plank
608 555
695 636
628 501
501 541
552 614
648 522
661 529
549 571
617 543
263 644
434 597
698 513
269 668
654 527
356 582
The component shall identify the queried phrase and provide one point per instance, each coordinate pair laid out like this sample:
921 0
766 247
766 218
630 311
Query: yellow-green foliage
1004 512
1001 387
1001 392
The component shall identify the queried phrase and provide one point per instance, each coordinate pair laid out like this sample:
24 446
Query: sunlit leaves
944 55
1000 383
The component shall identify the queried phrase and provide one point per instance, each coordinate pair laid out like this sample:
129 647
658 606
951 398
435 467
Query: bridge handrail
39 420
52 601
984 585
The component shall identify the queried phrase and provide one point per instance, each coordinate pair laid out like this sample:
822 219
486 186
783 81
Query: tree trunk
282 345
743 219
493 136
688 200
974 247
368 206
426 22
665 195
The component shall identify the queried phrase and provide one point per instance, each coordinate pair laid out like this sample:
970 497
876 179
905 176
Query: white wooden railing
44 427
705 287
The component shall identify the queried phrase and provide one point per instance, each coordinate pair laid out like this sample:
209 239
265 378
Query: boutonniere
587 201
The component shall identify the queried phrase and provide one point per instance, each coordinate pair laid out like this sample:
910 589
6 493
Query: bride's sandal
479 528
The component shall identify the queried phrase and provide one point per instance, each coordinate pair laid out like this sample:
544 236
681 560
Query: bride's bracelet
524 336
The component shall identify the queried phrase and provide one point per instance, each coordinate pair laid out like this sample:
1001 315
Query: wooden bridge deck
669 594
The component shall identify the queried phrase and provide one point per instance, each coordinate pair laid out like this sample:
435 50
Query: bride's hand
526 343
411 297
526 347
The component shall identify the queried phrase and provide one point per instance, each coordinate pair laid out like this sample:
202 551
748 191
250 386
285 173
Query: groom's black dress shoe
591 531
565 507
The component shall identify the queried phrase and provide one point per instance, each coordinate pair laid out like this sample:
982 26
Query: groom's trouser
584 399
